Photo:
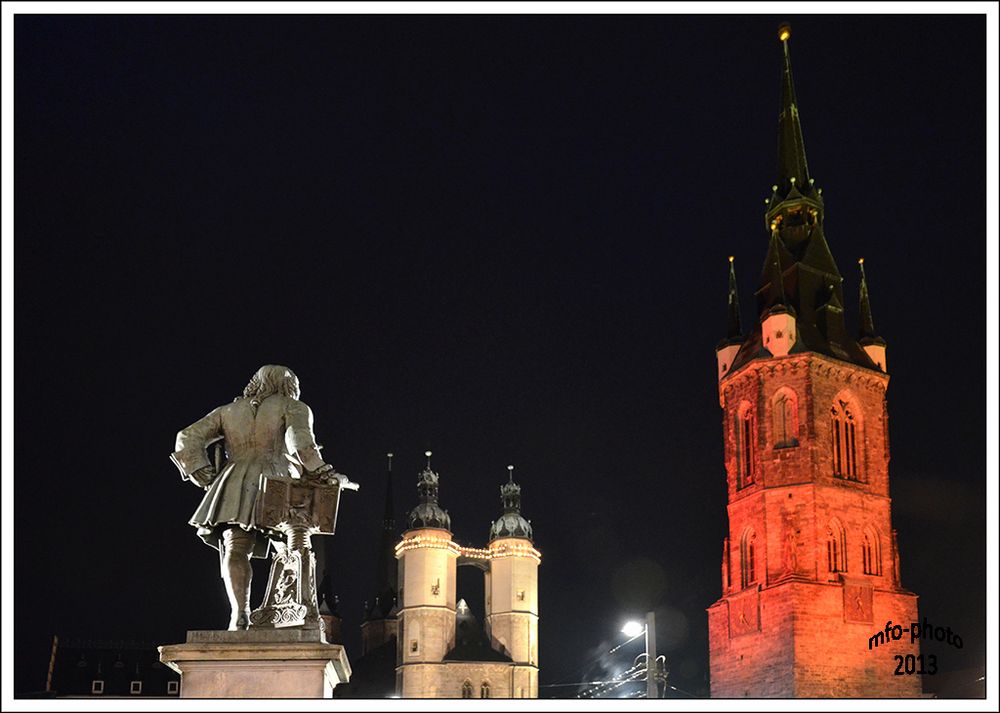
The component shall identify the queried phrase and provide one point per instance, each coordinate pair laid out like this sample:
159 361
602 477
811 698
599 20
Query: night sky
504 239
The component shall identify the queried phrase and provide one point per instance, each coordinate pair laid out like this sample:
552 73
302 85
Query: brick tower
810 570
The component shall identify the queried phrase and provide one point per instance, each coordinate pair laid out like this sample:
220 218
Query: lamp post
634 629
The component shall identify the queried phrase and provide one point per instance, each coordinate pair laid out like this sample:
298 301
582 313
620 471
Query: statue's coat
276 442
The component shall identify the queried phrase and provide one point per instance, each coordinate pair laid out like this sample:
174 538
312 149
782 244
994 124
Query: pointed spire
389 517
793 171
777 301
867 325
735 330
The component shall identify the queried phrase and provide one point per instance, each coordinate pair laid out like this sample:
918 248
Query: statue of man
268 434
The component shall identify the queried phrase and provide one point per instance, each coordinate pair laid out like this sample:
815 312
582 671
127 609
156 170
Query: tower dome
428 513
511 523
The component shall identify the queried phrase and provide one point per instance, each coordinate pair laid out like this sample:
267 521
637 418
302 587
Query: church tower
512 590
442 651
380 623
427 562
810 569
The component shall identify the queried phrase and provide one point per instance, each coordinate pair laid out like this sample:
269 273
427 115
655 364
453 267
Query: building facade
810 569
442 652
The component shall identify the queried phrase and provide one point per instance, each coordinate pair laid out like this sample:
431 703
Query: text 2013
910 664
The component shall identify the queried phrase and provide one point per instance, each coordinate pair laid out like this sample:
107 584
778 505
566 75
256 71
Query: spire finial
428 454
389 456
510 474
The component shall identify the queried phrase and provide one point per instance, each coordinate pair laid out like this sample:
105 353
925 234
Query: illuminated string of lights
497 550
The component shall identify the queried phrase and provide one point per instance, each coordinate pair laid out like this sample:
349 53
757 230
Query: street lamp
635 629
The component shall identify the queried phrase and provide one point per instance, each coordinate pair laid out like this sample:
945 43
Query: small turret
511 523
428 513
728 347
873 345
777 323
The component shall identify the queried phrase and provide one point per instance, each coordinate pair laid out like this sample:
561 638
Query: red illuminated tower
810 569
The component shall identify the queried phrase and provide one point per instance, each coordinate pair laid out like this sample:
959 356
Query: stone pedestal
262 663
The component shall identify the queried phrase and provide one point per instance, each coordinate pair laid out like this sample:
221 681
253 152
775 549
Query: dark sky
501 238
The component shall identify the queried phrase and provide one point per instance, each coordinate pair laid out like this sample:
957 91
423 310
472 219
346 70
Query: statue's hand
204 476
324 475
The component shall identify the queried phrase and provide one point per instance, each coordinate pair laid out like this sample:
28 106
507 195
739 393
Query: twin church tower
441 651
810 569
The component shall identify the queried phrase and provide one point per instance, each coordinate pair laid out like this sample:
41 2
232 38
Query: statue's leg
237 546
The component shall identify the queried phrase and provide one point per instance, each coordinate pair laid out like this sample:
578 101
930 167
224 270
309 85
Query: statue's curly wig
272 379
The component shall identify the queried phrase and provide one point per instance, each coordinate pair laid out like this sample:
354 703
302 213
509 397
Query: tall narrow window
845 427
467 689
484 690
748 566
871 552
784 417
836 548
744 428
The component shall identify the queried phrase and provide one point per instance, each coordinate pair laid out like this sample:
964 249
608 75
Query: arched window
745 430
785 418
748 565
836 547
846 429
871 552
484 690
467 689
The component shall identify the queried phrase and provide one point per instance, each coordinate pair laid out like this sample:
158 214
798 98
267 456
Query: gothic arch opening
785 418
846 435
871 551
836 547
745 432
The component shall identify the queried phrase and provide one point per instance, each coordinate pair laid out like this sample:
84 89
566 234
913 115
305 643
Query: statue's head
272 379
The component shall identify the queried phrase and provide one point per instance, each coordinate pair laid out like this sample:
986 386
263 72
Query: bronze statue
274 485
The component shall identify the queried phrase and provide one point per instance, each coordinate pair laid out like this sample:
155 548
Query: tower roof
799 274
471 641
428 513
510 523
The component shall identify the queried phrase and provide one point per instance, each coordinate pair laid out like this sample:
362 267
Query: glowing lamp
784 32
633 629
